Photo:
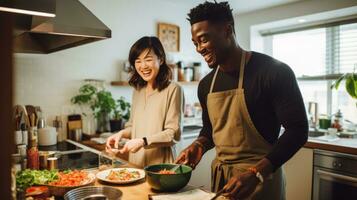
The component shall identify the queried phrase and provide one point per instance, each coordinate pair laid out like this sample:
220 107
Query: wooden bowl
62 190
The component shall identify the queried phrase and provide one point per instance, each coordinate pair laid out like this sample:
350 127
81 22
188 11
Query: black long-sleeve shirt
273 99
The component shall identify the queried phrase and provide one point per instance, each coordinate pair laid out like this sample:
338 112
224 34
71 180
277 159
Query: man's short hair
211 11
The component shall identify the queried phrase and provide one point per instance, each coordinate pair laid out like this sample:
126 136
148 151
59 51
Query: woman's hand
113 140
241 186
191 156
132 145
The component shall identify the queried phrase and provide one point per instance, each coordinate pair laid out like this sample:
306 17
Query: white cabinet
298 175
201 176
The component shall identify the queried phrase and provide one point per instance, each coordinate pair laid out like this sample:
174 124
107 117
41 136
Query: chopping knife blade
218 194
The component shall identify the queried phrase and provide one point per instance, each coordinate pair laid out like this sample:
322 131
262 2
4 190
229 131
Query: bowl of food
161 178
69 180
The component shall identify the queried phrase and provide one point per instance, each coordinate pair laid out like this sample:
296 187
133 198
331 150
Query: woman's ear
161 61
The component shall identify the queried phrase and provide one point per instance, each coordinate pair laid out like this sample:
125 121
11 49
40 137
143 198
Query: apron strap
241 70
241 73
214 79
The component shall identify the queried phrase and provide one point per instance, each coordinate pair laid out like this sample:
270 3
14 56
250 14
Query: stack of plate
94 192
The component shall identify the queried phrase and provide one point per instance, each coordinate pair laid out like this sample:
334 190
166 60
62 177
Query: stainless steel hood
73 25
45 8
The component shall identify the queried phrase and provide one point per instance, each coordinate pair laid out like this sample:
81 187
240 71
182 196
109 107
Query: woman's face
147 64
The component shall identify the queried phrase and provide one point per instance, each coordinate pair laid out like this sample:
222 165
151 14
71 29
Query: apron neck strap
214 79
241 70
241 73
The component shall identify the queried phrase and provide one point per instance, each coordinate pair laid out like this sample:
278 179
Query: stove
60 146
71 156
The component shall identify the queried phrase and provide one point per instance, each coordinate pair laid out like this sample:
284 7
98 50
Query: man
246 98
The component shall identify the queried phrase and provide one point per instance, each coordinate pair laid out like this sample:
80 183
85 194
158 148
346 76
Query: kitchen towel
195 194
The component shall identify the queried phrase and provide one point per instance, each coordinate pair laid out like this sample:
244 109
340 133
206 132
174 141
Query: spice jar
33 161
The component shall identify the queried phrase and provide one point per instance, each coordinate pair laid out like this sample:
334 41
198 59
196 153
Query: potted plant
100 101
350 83
121 112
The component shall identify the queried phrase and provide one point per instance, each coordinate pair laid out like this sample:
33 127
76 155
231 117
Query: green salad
27 178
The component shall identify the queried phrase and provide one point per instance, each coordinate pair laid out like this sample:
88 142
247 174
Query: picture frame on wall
169 35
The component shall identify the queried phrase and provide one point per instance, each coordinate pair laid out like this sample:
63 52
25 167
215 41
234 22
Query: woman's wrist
145 141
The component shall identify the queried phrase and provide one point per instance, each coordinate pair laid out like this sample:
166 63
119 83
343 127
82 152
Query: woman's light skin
147 64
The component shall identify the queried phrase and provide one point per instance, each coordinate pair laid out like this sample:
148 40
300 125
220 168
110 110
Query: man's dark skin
216 43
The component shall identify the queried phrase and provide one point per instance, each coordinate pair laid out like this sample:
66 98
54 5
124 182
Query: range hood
45 8
73 25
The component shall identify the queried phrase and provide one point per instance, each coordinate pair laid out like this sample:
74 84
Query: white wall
51 80
245 21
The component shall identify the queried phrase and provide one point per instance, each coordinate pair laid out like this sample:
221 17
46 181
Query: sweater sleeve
289 108
129 124
171 132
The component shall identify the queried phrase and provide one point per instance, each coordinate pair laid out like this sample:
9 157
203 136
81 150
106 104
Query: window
317 52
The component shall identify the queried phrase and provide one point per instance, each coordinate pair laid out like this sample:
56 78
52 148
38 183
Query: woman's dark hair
153 44
213 12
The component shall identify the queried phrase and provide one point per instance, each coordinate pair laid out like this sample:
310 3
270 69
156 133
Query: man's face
211 41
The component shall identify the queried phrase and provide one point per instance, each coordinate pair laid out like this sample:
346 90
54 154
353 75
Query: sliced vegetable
27 178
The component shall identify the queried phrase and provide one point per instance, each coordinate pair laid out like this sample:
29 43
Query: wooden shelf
124 83
119 83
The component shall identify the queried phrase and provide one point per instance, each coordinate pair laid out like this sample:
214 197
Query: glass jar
337 121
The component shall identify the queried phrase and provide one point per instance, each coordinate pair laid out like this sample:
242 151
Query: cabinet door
201 176
298 175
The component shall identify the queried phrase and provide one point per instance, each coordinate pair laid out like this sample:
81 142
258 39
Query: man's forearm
265 167
206 143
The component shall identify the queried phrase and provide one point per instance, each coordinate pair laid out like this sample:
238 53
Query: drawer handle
338 176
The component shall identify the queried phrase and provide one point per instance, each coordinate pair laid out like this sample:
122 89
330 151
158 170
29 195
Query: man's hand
241 186
132 145
191 156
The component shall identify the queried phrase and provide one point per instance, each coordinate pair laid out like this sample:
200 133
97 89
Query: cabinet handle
338 176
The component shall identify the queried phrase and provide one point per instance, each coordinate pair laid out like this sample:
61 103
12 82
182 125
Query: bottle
338 120
57 123
33 160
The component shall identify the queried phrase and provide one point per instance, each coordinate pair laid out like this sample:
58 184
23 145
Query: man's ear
229 30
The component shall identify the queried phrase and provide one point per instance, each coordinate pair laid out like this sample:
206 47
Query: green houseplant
350 83
121 111
101 103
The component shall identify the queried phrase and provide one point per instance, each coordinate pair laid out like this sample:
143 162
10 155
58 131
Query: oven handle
339 176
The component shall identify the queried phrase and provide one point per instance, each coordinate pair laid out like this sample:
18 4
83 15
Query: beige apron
238 143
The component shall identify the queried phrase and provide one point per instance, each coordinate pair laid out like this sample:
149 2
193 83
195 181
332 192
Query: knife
218 194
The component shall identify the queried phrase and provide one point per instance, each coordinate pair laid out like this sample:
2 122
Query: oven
335 176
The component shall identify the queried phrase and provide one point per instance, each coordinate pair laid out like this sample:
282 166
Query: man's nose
200 49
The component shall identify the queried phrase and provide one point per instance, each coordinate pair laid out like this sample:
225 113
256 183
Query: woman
155 122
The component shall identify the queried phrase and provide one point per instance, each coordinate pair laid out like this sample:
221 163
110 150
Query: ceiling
243 6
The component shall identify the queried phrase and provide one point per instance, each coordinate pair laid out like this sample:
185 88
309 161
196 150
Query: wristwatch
145 141
257 174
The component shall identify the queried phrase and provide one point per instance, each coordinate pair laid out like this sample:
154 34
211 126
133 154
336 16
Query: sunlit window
318 52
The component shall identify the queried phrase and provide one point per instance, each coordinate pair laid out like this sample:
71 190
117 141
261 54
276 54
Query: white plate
103 175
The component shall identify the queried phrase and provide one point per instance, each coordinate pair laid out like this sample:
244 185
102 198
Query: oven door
334 185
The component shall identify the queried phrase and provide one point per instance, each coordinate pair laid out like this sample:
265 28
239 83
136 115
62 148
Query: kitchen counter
133 191
343 145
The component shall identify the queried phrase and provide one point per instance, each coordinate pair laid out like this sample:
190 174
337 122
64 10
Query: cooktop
71 156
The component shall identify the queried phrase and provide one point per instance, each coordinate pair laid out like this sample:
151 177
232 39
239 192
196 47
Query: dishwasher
335 176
